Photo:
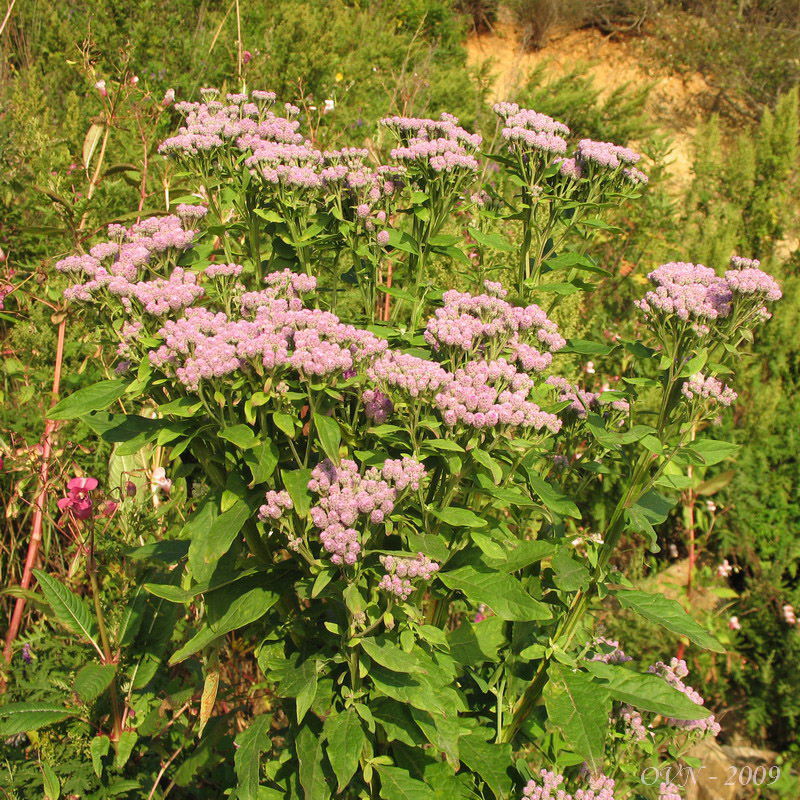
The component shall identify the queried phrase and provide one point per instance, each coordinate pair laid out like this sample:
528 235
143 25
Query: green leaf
645 691
553 497
127 741
670 615
310 754
494 240
285 423
204 637
650 510
579 708
52 785
222 531
395 719
713 485
503 593
92 680
68 608
330 436
251 743
23 717
93 398
491 761
525 554
460 517
442 732
587 348
262 460
397 784
416 691
712 451
241 435
473 643
300 681
485 460
345 741
390 656
239 603
570 575
99 748
442 444
402 241
296 483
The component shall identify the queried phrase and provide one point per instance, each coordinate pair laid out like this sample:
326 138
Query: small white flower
329 106
159 480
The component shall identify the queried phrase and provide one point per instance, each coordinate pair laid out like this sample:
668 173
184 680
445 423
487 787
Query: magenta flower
77 499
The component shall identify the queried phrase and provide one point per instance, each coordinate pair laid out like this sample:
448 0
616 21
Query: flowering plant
378 473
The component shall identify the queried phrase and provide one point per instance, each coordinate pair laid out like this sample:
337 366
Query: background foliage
409 57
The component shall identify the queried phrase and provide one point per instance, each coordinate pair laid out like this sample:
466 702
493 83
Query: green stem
91 569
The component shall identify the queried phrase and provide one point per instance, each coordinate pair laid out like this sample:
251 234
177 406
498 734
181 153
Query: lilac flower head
401 571
277 503
704 387
377 406
688 291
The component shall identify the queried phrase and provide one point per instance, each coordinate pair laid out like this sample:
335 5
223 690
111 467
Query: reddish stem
41 498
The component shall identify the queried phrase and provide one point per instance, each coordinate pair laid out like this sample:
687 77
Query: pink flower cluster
115 266
581 401
634 723
78 501
410 375
345 495
689 291
604 154
535 140
469 323
189 213
438 145
600 788
481 394
673 675
278 334
211 125
526 129
668 791
408 129
277 503
223 271
747 278
708 388
697 293
485 394
401 571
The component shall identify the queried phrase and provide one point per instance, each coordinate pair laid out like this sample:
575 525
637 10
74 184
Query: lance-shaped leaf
503 593
21 717
648 692
330 435
578 706
93 398
251 743
69 609
345 740
92 680
670 615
